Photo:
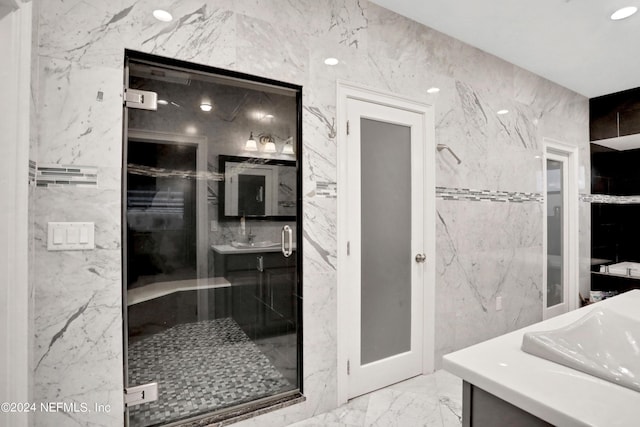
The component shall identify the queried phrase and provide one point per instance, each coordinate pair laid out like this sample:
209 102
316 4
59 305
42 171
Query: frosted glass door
559 293
386 226
386 240
555 226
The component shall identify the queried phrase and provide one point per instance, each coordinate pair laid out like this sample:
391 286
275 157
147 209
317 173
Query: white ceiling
570 42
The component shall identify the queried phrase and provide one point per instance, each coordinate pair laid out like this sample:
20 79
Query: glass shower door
212 317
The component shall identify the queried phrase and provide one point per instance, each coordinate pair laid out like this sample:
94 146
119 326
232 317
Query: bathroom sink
603 343
262 244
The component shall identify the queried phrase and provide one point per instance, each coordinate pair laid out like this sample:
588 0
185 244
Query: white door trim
345 91
202 209
200 142
15 326
570 152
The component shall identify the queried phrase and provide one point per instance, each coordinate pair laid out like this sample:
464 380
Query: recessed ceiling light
433 90
162 15
502 112
205 106
331 61
162 102
624 12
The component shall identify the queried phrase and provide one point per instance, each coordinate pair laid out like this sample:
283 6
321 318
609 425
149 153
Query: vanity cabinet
278 299
481 408
263 290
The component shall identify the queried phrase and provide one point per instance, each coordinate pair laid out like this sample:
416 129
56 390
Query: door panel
385 232
557 236
196 321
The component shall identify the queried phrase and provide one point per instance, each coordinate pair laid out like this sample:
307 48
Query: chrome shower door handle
421 258
286 251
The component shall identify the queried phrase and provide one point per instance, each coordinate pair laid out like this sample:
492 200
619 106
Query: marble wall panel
341 23
74 126
546 97
484 249
202 32
438 53
271 49
77 320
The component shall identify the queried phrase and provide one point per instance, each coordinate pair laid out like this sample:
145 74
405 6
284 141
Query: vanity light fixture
433 90
331 61
623 13
205 106
502 112
251 144
162 15
288 147
163 102
269 144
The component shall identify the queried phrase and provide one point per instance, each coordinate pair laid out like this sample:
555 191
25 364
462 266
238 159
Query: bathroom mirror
258 188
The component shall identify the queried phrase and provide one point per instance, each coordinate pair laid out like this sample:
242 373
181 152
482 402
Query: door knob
421 258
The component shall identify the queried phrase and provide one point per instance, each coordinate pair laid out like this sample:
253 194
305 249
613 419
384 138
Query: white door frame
200 142
345 91
571 246
202 210
15 324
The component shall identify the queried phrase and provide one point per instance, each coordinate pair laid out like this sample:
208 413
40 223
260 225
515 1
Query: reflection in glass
555 244
258 188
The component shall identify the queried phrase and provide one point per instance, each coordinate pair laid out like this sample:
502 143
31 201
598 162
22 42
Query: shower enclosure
212 271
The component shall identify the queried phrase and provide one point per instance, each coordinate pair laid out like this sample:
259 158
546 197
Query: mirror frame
222 160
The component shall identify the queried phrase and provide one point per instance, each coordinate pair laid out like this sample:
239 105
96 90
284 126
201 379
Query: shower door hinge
140 394
348 248
348 367
140 99
347 127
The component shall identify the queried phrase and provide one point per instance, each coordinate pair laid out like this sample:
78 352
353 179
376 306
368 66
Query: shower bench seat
160 289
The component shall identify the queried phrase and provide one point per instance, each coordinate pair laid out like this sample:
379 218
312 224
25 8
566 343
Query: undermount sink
603 343
262 244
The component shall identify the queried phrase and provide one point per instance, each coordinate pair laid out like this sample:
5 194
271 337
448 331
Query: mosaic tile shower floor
198 367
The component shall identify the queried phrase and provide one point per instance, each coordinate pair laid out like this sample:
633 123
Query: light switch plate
70 236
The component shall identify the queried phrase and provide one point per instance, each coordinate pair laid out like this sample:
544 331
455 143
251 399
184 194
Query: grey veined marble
483 249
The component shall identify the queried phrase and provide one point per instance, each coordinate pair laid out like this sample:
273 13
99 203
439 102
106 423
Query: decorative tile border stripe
66 176
612 200
326 189
487 195
32 172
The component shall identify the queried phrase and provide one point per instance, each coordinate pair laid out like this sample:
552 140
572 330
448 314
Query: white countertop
557 394
232 250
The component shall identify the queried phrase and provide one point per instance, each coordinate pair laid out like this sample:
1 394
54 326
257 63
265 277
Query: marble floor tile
433 400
